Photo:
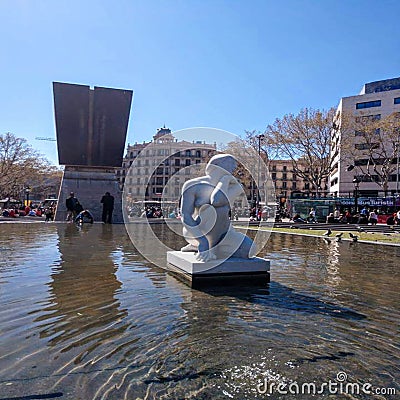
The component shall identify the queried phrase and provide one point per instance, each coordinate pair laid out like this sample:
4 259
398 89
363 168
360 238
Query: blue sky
232 65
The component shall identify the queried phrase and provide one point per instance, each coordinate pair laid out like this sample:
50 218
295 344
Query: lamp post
27 191
356 182
397 163
260 138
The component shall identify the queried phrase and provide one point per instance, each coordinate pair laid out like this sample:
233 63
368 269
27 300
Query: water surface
84 316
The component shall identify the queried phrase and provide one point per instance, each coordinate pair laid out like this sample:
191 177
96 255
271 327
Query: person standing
71 203
108 206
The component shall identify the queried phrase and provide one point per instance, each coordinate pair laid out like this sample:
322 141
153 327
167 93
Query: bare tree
378 145
305 139
266 143
20 166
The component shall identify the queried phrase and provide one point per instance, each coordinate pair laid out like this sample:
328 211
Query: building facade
375 101
288 182
155 169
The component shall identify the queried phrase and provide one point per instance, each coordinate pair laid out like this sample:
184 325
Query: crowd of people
75 211
30 210
365 216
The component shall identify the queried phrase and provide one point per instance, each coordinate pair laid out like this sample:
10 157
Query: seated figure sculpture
206 203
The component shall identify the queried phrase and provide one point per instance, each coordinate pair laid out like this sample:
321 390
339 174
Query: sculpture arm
187 210
228 188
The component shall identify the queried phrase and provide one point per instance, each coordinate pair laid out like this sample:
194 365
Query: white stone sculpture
206 202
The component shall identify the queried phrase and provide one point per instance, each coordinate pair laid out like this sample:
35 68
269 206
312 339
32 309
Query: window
396 100
187 162
375 117
368 104
284 185
138 181
284 176
366 146
198 153
285 168
293 185
367 178
274 168
177 162
187 153
274 176
361 161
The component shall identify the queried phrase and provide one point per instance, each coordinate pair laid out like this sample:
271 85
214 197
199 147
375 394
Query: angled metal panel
110 124
91 124
71 105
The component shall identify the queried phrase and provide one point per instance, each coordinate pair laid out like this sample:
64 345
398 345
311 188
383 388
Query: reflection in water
87 317
82 291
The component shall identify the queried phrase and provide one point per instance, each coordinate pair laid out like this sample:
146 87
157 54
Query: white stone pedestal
232 270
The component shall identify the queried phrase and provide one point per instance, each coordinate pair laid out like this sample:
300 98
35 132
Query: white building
375 101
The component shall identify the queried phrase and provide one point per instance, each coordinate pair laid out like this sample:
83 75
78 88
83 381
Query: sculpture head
220 163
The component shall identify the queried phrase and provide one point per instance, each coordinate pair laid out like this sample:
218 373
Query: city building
288 183
160 160
375 101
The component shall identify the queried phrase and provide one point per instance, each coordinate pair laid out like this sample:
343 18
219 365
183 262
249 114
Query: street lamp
397 163
356 182
27 191
260 138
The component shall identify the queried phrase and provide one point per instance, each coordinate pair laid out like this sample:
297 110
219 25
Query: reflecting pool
84 316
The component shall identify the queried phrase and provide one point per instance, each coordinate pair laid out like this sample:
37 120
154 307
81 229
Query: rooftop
381 86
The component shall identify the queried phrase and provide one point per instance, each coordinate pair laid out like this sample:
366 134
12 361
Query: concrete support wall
89 185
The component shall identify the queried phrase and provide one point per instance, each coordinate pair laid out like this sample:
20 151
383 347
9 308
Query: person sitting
6 213
336 215
365 212
298 219
312 216
330 219
373 217
84 217
12 213
363 219
49 214
390 220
